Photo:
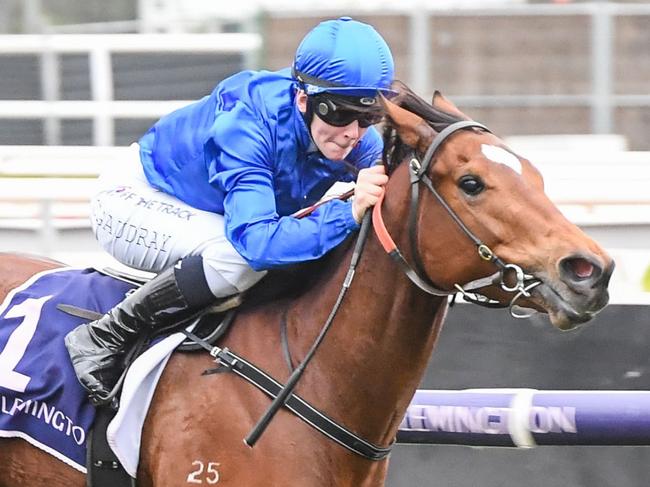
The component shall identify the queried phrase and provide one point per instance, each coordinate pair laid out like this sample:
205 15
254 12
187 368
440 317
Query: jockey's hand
370 186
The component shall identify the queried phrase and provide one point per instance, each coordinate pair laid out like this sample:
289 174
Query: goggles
340 111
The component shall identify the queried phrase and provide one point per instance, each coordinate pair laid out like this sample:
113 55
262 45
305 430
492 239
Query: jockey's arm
265 239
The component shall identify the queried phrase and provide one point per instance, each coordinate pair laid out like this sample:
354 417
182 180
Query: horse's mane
395 150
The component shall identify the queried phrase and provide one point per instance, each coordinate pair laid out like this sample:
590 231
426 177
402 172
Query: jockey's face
334 143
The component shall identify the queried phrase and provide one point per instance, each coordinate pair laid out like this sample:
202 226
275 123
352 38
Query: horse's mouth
567 309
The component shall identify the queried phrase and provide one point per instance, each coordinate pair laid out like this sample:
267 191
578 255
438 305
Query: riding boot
97 349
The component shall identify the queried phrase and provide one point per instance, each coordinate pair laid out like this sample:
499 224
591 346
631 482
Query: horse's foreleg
23 465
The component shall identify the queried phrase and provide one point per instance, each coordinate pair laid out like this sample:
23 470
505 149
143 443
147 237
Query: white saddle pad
125 430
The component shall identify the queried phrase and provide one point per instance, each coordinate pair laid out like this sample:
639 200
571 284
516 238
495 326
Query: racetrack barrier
527 418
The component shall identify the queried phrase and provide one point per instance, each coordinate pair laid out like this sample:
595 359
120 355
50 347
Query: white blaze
502 156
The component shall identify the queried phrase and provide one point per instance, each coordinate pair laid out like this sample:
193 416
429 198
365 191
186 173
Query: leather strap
103 467
301 408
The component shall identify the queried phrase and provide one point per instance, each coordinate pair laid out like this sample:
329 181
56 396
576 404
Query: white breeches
149 230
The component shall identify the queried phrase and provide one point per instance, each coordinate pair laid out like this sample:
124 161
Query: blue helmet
344 57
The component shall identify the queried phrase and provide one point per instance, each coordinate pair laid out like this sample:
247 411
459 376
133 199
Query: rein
418 174
286 392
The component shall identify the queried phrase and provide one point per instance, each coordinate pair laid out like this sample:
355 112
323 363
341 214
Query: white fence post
101 84
420 52
602 35
51 90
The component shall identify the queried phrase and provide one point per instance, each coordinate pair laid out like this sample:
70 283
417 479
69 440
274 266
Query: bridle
418 172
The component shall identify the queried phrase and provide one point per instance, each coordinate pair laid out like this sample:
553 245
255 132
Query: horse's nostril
580 269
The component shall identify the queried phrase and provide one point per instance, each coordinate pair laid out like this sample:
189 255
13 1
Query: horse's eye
472 185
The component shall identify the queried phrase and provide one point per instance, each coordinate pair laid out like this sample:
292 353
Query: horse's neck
377 349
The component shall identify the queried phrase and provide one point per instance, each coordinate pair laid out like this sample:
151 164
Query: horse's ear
411 128
444 104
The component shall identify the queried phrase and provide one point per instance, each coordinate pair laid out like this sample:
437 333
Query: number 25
212 475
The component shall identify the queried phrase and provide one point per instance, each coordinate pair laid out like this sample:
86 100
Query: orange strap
380 228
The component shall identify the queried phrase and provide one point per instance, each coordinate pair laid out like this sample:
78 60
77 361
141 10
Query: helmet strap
308 116
306 79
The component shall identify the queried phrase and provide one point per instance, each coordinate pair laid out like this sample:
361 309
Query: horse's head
528 247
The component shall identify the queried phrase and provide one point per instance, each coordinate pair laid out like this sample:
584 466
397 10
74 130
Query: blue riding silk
244 151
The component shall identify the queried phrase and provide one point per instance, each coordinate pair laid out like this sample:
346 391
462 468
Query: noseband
418 170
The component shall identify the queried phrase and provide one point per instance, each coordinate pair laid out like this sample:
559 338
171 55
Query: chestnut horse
375 353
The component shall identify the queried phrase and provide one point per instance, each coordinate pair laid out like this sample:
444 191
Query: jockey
207 198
